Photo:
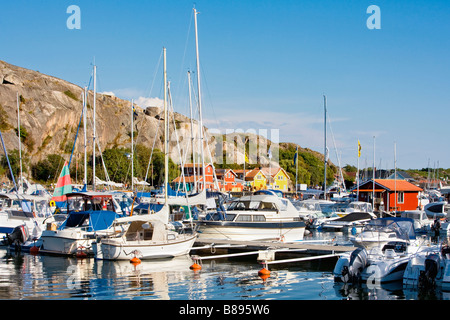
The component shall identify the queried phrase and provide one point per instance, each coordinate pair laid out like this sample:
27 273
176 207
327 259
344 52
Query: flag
359 149
64 185
296 155
246 157
134 110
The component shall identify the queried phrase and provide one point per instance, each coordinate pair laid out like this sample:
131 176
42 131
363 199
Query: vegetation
14 161
70 94
117 162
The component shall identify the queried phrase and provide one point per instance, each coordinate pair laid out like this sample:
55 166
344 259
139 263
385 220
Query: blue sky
265 65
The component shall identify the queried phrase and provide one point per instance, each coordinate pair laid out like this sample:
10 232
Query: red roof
399 185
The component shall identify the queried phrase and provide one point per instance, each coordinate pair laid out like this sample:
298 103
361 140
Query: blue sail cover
97 220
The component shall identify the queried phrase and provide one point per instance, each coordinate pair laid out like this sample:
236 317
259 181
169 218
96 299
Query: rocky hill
50 112
51 109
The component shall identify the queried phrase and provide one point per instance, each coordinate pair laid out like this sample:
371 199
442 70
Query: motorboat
311 209
422 224
260 216
428 269
379 264
351 222
146 236
25 213
380 231
438 209
89 215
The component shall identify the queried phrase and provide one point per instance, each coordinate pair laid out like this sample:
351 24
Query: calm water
30 277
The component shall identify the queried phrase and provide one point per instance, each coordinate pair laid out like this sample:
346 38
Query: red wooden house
227 180
390 195
194 175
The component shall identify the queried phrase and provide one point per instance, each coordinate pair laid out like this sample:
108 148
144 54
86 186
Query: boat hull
118 249
65 242
287 231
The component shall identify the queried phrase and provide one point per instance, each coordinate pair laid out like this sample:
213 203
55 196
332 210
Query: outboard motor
358 262
18 236
427 278
350 270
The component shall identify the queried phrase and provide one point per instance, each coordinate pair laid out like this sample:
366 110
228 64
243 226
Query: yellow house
257 179
279 178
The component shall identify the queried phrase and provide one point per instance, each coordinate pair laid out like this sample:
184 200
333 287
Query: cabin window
267 206
400 197
259 218
244 217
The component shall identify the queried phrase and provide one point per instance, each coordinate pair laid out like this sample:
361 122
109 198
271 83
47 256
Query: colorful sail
64 185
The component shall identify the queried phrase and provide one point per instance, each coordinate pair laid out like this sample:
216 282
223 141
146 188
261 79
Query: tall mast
94 134
132 146
325 148
85 138
199 100
166 132
192 131
20 142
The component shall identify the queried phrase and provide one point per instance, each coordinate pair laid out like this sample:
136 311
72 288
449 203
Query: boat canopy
404 227
93 220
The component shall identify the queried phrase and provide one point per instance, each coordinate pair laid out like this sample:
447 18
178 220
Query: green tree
48 170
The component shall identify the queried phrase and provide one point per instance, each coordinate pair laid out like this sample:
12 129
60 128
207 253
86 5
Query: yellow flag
359 149
246 157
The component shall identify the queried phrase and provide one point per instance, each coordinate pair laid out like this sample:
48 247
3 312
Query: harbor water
29 277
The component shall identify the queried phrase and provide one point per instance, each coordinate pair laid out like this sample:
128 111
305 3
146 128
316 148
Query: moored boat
254 217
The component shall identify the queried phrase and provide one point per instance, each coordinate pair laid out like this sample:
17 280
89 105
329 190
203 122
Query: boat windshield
244 205
403 229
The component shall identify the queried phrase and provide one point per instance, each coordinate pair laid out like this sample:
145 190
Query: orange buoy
264 272
195 266
34 250
135 260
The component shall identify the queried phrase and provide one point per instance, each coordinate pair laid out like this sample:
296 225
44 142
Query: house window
280 177
258 177
400 197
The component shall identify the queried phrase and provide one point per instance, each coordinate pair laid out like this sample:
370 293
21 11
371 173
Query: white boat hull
65 242
119 249
247 232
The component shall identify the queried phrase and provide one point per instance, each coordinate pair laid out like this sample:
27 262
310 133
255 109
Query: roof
274 171
190 165
251 174
391 185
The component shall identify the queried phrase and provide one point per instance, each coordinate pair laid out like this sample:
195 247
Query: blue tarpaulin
95 220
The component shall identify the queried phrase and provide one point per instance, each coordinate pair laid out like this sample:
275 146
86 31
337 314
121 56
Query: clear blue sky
265 65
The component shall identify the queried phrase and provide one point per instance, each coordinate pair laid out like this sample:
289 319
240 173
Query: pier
266 250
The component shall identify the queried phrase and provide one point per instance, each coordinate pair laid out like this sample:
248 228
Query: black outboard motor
427 278
18 236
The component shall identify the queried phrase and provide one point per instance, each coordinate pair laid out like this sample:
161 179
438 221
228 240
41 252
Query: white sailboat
148 236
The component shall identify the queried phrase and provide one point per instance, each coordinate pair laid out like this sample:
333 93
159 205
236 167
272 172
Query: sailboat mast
20 142
132 147
85 138
94 134
199 100
166 132
325 148
192 131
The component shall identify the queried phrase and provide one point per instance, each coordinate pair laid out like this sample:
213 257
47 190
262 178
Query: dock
266 250
312 246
